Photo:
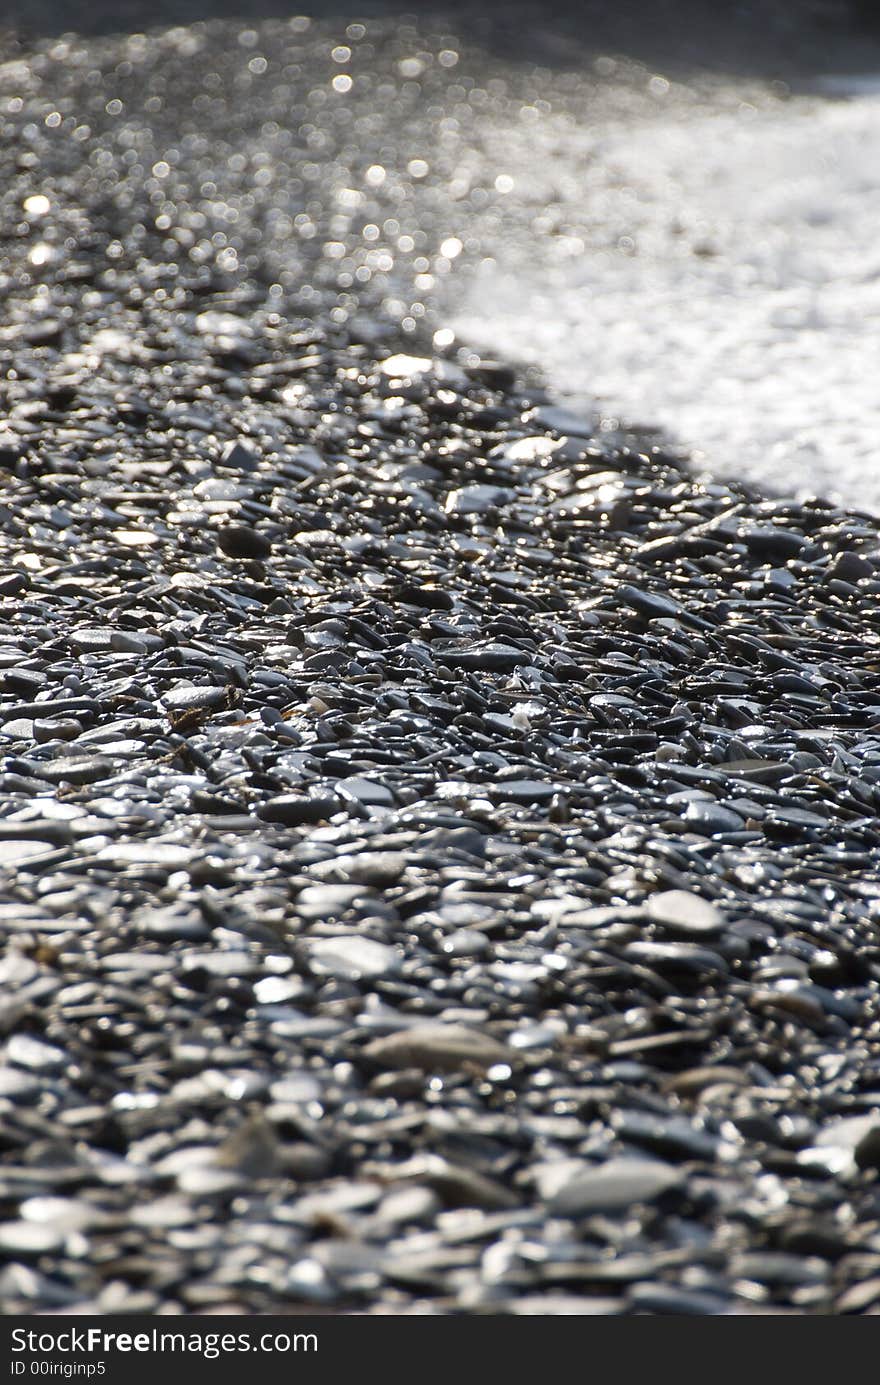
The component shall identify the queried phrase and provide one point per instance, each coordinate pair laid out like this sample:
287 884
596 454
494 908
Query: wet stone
676 957
475 500
76 769
680 911
849 567
613 1186
436 1048
293 810
770 542
29 1239
669 1137
438 832
35 1054
351 956
649 604
524 791
189 697
710 819
492 658
241 541
367 791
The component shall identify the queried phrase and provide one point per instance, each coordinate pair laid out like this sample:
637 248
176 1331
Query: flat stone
681 911
367 791
476 500
293 810
670 1298
649 604
24 852
35 1054
377 868
710 819
670 1137
242 541
30 1238
167 855
770 542
614 1186
351 956
327 901
676 957
189 697
19 729
77 769
490 658
524 791
437 1048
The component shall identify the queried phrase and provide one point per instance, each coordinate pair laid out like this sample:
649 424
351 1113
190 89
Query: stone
351 956
244 542
436 1048
710 819
293 810
613 1186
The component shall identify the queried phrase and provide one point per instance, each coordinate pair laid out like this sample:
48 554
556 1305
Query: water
710 261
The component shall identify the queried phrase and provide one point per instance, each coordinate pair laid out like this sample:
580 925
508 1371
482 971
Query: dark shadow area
765 38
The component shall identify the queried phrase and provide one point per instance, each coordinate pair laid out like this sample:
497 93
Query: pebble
436 1048
649 604
28 1238
76 769
292 810
524 791
379 868
367 791
670 1298
351 956
681 911
35 1054
476 500
241 541
612 1186
711 819
849 567
677 957
667 1136
188 697
770 542
491 658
